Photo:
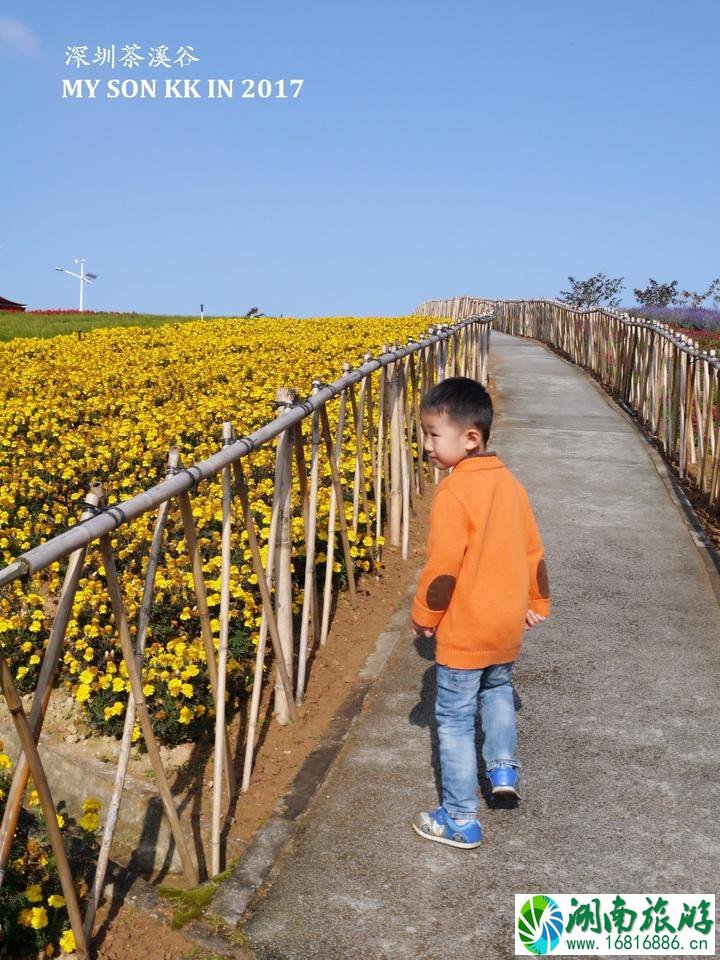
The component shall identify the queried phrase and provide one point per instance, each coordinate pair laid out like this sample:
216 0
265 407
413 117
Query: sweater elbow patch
438 594
542 579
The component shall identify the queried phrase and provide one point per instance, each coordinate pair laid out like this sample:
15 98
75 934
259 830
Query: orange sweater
485 566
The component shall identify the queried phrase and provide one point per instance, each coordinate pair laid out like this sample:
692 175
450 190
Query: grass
192 904
18 324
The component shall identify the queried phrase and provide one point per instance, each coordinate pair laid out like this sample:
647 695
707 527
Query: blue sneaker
438 825
504 780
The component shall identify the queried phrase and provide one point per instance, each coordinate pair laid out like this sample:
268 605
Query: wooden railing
664 379
382 418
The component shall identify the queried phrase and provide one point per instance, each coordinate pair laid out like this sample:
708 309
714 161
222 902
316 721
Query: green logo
540 924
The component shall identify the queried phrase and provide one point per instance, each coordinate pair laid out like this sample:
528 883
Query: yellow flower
148 689
33 894
82 693
33 799
118 684
39 918
86 676
67 942
5 761
55 900
175 686
89 822
187 689
186 715
91 805
60 820
25 917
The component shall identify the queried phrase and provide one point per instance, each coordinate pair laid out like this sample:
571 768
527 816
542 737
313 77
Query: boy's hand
419 631
531 618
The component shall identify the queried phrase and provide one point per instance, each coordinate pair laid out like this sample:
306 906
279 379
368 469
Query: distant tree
253 312
695 300
595 291
657 294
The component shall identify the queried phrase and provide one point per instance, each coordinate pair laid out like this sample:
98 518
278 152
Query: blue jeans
458 694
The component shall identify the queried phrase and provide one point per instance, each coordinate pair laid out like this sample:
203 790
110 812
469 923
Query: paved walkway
618 718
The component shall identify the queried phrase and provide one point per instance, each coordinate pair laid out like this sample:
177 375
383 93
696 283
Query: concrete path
618 718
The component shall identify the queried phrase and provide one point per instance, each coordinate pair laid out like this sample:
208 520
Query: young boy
485 582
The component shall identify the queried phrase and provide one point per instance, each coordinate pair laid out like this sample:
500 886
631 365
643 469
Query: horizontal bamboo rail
380 423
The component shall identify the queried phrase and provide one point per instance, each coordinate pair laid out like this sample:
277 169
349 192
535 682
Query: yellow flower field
32 907
108 407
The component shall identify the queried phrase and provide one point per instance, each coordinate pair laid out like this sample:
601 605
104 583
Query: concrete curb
707 550
236 895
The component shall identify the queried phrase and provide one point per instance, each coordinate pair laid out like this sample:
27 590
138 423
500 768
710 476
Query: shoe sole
452 843
508 791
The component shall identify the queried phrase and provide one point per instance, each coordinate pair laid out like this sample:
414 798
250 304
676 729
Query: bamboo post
341 507
126 742
396 486
408 425
379 451
268 615
372 524
310 544
415 378
262 640
359 486
283 589
118 608
358 458
707 430
195 557
380 476
43 692
334 457
405 454
241 485
370 424
715 476
305 494
27 742
227 439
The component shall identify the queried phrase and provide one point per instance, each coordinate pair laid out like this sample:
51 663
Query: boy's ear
473 438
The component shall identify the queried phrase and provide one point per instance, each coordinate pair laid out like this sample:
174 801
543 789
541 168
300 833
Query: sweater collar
481 461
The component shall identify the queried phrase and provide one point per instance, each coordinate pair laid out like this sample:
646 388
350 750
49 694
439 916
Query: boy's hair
465 401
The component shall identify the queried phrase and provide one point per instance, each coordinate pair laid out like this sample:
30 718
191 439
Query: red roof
5 304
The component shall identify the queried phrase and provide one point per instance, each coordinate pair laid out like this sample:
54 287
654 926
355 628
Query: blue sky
436 148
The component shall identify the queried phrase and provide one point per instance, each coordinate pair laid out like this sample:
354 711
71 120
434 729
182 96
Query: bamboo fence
662 378
379 410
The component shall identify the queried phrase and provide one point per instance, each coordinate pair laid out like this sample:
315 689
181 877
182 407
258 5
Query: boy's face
446 442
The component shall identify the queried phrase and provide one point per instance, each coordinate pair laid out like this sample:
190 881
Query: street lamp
82 276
